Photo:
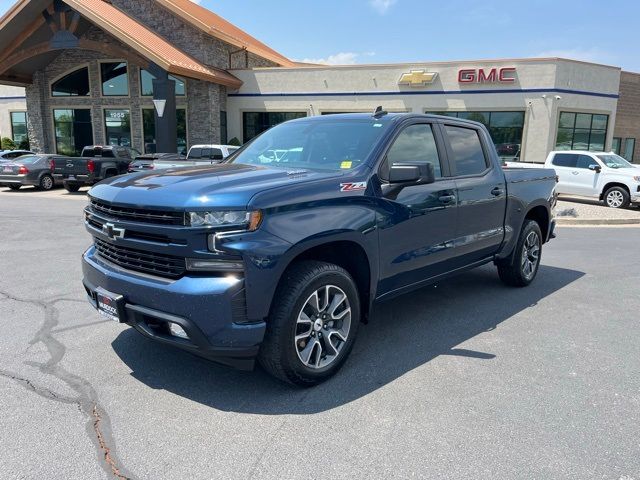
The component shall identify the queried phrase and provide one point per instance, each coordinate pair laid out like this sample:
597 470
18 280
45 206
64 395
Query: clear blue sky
382 31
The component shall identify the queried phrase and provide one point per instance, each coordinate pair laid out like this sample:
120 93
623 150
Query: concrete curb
597 221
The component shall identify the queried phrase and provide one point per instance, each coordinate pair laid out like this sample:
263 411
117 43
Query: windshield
328 145
615 161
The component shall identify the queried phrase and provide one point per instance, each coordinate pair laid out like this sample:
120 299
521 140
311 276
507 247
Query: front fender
284 236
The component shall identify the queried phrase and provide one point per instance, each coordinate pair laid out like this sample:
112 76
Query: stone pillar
166 126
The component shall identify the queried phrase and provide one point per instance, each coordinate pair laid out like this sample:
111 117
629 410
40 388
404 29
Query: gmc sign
482 75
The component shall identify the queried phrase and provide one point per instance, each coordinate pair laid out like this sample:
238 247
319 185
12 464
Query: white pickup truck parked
198 155
605 176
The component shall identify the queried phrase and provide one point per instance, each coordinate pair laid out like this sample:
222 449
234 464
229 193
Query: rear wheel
313 324
522 266
15 186
71 187
617 197
46 182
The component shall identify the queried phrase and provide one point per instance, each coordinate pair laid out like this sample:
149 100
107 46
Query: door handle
496 192
447 199
575 173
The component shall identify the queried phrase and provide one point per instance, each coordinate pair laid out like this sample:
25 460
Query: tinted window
415 144
75 84
467 150
569 160
254 123
195 153
584 161
115 80
146 84
216 154
582 131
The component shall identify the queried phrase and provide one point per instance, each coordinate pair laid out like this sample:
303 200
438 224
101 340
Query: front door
417 224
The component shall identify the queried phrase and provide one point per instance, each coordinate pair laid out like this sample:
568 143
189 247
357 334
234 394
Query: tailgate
71 166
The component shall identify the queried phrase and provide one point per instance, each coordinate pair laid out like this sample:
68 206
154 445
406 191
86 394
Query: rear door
586 181
565 165
417 224
482 198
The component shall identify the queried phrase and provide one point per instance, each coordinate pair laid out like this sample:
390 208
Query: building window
224 135
18 127
505 129
254 123
73 130
76 84
118 127
629 147
582 131
146 84
149 129
115 79
616 146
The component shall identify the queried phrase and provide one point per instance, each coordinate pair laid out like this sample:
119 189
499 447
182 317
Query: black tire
279 353
71 187
46 182
15 186
514 270
617 197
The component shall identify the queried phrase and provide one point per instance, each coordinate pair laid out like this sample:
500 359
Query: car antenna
379 112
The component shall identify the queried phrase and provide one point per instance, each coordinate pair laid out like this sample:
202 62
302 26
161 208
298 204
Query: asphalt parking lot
464 379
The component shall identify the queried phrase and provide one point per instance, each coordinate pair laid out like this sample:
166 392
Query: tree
25 144
8 144
235 141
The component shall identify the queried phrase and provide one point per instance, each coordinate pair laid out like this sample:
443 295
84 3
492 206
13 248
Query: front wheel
313 324
617 197
521 267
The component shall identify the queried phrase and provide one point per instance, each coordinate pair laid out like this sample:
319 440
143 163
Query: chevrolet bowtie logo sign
417 78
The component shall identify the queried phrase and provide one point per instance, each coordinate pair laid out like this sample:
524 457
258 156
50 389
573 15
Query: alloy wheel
530 255
615 199
322 327
47 183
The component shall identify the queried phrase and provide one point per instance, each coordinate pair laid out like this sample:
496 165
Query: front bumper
209 309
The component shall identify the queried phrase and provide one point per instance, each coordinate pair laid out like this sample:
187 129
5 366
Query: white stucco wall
313 87
11 99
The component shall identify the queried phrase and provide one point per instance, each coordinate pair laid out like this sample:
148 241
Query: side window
415 144
206 153
216 154
195 153
584 161
467 150
569 160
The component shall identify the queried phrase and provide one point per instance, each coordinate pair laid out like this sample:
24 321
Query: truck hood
225 185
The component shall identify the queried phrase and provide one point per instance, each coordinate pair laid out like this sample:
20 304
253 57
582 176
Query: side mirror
595 168
412 173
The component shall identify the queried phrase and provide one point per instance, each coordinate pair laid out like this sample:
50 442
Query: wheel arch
347 253
540 215
611 185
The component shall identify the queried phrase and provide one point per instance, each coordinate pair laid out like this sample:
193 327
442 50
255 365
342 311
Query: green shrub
8 144
234 141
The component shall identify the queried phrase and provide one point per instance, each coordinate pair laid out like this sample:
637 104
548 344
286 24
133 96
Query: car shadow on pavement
403 334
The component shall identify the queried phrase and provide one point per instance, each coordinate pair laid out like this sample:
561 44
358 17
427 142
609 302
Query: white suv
605 176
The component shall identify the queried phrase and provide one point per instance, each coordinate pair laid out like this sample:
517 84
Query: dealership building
161 75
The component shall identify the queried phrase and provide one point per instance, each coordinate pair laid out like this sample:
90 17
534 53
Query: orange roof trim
148 44
218 27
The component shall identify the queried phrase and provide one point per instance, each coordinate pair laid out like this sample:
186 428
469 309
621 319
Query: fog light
177 331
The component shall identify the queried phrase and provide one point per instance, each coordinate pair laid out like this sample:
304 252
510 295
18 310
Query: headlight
231 218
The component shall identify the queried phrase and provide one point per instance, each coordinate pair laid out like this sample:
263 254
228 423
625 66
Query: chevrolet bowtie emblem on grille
110 230
417 78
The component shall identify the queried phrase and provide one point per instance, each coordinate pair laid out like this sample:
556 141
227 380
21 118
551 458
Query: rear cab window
568 160
468 155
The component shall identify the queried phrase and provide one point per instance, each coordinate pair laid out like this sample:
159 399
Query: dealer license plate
8 169
108 304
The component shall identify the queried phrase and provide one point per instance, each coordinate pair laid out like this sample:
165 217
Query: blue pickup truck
281 252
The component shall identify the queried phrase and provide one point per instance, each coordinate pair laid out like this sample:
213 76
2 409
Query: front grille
138 214
146 262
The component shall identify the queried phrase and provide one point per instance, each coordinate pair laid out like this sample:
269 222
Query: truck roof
386 118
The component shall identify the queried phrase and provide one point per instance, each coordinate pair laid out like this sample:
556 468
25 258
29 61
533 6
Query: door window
569 160
466 147
584 161
415 144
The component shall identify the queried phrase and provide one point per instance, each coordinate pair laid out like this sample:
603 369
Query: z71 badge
353 187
